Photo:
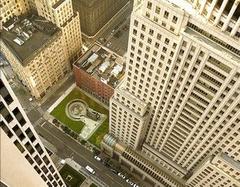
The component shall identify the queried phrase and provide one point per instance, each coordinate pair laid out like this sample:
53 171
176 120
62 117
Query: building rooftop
102 64
216 47
25 35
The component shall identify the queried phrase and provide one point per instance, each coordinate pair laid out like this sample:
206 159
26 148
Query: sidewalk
54 88
86 183
83 171
61 98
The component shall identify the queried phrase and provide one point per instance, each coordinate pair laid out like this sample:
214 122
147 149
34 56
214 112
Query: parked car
135 185
97 158
108 44
121 175
114 171
129 182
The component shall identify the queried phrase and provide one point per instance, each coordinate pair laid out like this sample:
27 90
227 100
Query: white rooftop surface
104 80
187 7
116 70
93 57
104 66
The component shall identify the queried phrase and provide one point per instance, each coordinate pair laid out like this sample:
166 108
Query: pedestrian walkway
86 183
61 98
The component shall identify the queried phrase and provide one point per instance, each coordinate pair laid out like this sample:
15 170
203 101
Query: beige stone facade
187 71
24 159
218 171
61 13
38 65
10 8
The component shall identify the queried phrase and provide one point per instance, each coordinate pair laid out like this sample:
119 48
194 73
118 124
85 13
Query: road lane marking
43 123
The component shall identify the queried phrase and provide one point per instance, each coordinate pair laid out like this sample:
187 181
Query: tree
96 151
83 142
75 136
55 121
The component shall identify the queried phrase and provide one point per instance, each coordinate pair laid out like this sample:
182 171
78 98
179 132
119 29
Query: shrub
83 142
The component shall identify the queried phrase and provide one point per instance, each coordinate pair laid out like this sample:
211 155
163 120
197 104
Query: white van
91 170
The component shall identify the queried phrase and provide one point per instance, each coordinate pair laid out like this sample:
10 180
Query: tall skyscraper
179 103
24 160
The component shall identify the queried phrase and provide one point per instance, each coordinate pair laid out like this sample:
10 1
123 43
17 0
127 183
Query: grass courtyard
71 177
59 113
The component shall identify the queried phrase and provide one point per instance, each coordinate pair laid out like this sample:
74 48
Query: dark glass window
30 134
50 177
45 170
44 178
5 94
38 160
39 149
37 169
51 169
45 159
5 113
19 146
19 116
29 148
6 129
18 132
29 159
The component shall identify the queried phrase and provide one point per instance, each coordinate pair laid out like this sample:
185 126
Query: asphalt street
122 18
67 147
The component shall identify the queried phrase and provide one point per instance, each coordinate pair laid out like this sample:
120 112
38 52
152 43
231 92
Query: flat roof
218 48
26 35
103 65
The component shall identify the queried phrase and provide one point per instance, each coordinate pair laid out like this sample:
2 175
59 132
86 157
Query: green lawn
59 113
76 178
97 136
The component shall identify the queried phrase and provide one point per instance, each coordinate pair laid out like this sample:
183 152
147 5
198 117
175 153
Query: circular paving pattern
75 109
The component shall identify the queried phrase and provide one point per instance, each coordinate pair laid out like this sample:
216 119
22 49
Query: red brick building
98 72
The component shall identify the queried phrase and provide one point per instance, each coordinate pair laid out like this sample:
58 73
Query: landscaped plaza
83 115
